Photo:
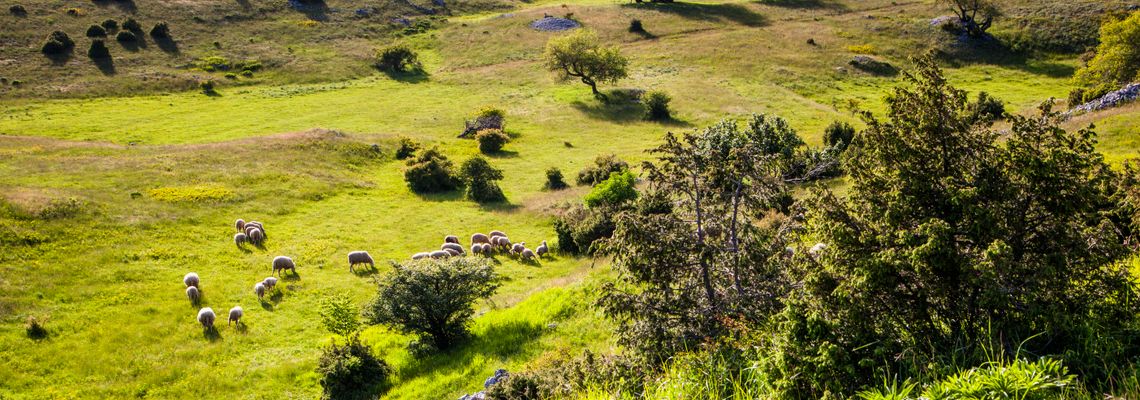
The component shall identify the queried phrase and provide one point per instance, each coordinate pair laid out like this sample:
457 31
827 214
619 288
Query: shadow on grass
499 341
416 76
991 51
267 306
211 334
806 4
167 45
501 206
365 272
58 59
502 154
134 45
315 10
241 328
706 12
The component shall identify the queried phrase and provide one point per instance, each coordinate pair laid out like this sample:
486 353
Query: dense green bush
98 50
160 31
17 10
96 31
986 109
397 58
614 191
34 329
433 298
430 172
635 26
657 106
350 371
838 135
110 25
554 179
131 25
1117 60
339 315
491 140
603 166
1044 379
479 177
207 87
57 43
516 387
407 148
126 37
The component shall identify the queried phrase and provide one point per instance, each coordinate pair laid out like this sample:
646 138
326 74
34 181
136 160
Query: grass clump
94 31
17 10
192 193
126 37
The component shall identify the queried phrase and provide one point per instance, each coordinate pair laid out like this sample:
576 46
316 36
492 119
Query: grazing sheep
501 241
190 279
193 294
259 290
256 224
479 238
452 246
420 256
270 283
235 315
439 254
518 247
359 257
240 225
815 250
453 253
451 239
487 249
542 249
282 263
206 317
527 254
240 239
256 236
498 233
476 248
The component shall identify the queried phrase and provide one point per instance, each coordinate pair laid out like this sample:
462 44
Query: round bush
98 50
398 58
57 43
635 26
125 37
131 25
18 10
96 31
657 106
406 149
351 371
480 177
600 171
110 25
207 87
430 172
554 179
160 30
618 189
838 134
491 140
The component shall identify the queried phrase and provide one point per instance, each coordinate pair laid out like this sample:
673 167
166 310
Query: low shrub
17 10
61 208
491 140
126 37
397 58
554 179
96 31
231 76
98 50
430 172
407 148
657 106
603 166
479 177
635 26
207 87
614 191
131 25
74 12
57 43
350 371
578 228
986 109
1076 97
35 329
110 25
160 31
839 134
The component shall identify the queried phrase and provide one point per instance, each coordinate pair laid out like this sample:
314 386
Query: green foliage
604 165
1117 60
34 329
1076 97
554 179
131 25
219 63
1043 379
207 87
98 50
479 177
516 387
160 31
430 172
110 25
407 148
976 16
947 227
488 112
126 36
57 43
397 58
614 191
350 371
433 298
339 315
839 135
657 106
579 55
579 228
96 31
491 140
986 109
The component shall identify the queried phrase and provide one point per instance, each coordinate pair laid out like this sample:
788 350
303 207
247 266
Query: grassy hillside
159 171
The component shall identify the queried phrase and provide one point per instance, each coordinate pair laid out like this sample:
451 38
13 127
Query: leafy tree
479 177
406 149
430 172
618 189
692 255
580 56
554 179
396 59
952 236
433 298
350 371
976 16
339 315
579 228
1117 60
604 165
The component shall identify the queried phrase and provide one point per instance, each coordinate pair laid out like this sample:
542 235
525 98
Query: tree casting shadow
706 12
806 4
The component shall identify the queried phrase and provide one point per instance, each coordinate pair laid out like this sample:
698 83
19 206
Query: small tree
98 50
976 15
430 172
398 58
838 135
657 106
580 56
603 166
554 179
433 298
479 177
491 140
986 109
406 149
1117 60
350 371
618 189
339 315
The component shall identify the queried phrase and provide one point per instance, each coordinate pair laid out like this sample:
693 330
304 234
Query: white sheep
259 290
270 283
480 238
542 249
498 233
282 263
256 224
193 294
191 279
452 246
235 315
359 257
240 239
420 256
240 225
451 239
439 254
527 254
256 235
206 317
518 247
487 249
452 252
501 241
